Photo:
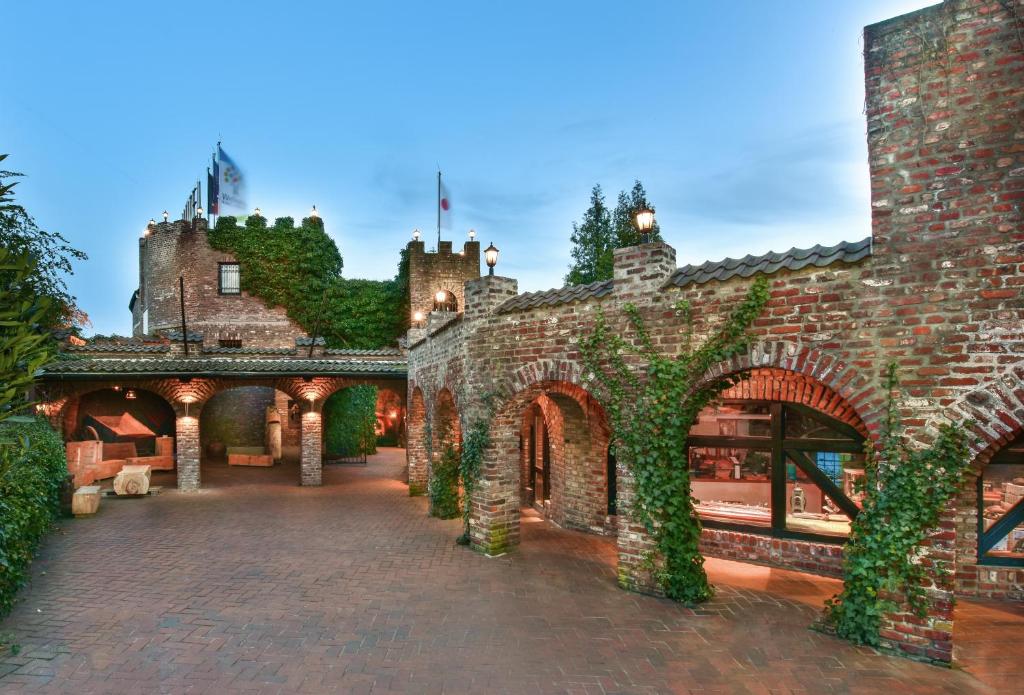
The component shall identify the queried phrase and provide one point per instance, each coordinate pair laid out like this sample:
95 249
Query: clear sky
743 120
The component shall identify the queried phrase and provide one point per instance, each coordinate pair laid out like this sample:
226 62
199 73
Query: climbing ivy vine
443 486
905 492
299 268
474 444
652 400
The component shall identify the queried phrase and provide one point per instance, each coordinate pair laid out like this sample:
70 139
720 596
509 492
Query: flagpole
439 210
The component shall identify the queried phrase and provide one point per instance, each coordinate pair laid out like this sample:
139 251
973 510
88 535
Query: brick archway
578 436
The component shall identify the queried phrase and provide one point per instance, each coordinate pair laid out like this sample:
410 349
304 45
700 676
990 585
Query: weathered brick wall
170 250
237 417
941 295
443 270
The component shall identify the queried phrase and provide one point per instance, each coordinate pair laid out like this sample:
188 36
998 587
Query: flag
212 186
231 184
444 205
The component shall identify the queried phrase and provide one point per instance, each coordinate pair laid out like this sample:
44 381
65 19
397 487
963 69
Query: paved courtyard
257 585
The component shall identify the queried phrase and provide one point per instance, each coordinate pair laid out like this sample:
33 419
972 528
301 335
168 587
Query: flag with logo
212 186
230 183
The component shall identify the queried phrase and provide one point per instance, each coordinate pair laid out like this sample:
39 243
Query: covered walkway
260 586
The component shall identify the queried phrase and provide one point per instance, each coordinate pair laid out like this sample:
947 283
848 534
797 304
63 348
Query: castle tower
443 271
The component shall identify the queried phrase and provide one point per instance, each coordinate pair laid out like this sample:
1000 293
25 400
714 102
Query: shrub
32 470
350 421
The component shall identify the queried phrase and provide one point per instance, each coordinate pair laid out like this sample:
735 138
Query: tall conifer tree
593 243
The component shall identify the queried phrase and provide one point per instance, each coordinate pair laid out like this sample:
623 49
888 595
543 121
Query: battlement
442 271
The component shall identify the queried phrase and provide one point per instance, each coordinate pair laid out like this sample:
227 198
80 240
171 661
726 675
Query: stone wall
941 294
237 417
443 270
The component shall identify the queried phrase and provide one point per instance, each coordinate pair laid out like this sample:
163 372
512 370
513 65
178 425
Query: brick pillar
640 271
416 444
634 543
486 293
494 516
311 460
187 442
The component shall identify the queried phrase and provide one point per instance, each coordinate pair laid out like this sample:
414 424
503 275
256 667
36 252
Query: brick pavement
258 585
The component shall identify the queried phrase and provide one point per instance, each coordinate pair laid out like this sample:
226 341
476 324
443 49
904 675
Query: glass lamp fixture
152 221
645 222
130 395
257 212
166 215
441 296
472 234
313 213
199 210
417 317
415 235
491 258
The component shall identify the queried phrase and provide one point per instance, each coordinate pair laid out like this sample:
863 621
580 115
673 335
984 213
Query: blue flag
231 184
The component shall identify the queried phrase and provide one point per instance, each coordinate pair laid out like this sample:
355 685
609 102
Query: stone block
132 480
86 500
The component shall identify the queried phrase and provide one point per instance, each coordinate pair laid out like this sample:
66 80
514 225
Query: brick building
938 288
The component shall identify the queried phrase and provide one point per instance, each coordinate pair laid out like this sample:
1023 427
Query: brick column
494 516
416 445
311 460
640 271
634 543
187 443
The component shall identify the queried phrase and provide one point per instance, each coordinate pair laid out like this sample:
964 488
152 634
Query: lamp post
472 234
166 215
491 258
415 235
645 223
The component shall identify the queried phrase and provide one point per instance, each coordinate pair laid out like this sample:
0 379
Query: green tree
51 253
592 243
624 217
25 345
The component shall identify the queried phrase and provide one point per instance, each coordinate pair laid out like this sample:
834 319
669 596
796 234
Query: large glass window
1001 507
785 468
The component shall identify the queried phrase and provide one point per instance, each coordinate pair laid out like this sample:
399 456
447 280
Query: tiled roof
305 340
564 295
119 347
355 352
193 336
794 259
218 350
216 366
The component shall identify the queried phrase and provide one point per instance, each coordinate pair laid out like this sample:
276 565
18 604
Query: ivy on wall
299 268
443 486
350 420
474 444
905 493
651 411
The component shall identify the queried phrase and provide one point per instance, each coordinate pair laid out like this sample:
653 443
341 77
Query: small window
228 281
230 342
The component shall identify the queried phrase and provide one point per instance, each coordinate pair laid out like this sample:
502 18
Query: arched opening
109 428
548 458
445 300
416 445
352 423
1000 489
390 419
446 445
244 428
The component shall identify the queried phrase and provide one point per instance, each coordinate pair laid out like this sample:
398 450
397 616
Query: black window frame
1010 455
220 278
782 448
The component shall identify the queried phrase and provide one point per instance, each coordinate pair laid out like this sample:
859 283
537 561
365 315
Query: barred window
229 282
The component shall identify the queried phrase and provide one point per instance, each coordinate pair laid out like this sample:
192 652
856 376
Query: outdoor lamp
415 235
313 213
129 394
418 317
491 258
152 221
199 210
472 234
257 212
645 222
166 215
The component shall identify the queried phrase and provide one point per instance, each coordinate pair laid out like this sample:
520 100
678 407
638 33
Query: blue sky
743 120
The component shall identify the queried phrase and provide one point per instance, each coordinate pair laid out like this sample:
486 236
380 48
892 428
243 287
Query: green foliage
651 414
51 253
444 482
474 444
906 491
592 243
350 420
32 470
299 268
601 232
25 346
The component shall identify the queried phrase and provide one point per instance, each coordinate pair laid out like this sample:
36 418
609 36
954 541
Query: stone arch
240 415
416 446
578 436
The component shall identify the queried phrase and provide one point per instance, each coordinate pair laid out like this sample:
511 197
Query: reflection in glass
734 420
809 509
732 484
1003 488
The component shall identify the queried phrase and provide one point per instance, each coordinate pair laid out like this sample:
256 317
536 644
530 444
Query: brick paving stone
257 585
